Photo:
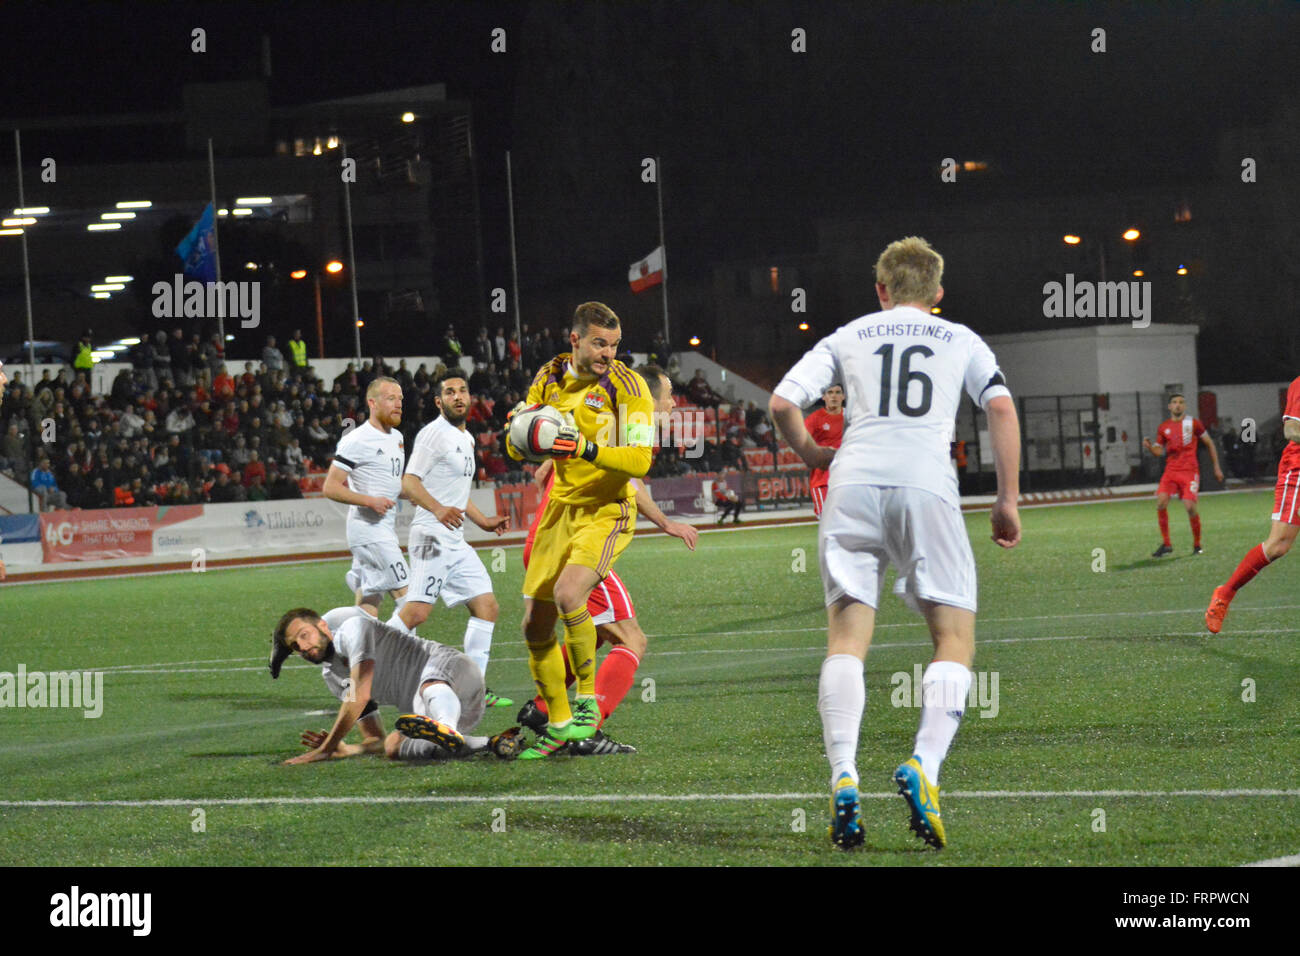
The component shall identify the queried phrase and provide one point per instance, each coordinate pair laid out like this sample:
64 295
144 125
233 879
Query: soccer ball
533 430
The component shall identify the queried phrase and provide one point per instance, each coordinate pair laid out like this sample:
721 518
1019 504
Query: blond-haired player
366 474
590 517
893 499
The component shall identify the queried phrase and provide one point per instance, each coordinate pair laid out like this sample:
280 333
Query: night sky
757 141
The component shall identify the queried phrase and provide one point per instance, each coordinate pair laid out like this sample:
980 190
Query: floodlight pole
352 256
27 272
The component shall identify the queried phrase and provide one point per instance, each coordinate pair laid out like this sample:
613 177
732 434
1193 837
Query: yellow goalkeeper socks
580 637
546 661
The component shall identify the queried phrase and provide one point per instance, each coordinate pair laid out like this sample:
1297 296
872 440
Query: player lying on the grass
590 517
610 605
1286 517
438 478
893 498
368 663
1178 438
366 475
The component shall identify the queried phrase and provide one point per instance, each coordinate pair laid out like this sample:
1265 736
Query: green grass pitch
1107 681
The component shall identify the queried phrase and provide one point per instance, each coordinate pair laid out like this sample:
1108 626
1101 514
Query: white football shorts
466 681
380 568
865 528
439 569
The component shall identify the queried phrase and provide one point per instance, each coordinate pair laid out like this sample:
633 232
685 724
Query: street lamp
333 267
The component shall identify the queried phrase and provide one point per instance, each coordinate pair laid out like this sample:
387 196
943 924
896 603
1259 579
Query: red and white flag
649 271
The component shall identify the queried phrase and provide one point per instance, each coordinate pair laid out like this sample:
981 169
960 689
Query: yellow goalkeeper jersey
616 412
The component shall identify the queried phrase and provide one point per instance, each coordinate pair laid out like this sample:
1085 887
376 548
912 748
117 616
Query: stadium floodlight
803 326
1071 240
1139 273
298 274
117 215
408 117
11 232
33 211
1182 270
333 266
99 355
108 287
101 295
223 212
24 221
254 201
119 278
695 340
250 266
135 204
935 310
332 143
229 337
242 212
103 226
116 347
131 341
1132 235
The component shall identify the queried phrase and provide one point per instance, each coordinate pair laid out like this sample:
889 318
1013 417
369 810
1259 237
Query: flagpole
27 274
659 192
514 262
352 257
216 248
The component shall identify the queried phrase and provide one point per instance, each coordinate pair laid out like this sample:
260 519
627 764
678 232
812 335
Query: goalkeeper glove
570 443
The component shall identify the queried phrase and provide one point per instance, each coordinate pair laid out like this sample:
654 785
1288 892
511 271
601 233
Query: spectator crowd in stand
182 426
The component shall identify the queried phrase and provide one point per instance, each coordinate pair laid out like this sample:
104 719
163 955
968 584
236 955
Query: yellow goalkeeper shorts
591 535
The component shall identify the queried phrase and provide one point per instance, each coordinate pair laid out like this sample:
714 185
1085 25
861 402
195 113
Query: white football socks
841 698
441 704
943 701
397 622
478 642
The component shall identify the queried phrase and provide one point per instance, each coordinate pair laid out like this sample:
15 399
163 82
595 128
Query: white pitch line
626 798
1293 860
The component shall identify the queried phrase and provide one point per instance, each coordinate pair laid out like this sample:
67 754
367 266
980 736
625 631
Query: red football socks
1162 516
1251 565
614 679
1196 529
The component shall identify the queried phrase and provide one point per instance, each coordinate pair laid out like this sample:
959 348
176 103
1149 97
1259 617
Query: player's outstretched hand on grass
680 529
380 505
1006 524
312 739
449 516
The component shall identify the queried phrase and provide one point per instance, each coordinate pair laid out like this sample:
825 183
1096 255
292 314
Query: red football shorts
818 498
1286 497
609 601
1184 485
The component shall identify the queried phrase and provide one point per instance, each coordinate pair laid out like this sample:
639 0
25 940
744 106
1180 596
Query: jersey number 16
905 378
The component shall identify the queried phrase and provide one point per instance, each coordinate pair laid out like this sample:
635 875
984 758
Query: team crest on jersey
594 401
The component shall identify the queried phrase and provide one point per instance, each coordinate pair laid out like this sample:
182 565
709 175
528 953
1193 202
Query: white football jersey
903 371
373 461
442 457
402 661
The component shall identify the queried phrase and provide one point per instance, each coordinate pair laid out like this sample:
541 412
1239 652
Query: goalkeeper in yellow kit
591 514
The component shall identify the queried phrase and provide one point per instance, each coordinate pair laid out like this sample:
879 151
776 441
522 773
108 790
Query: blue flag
196 249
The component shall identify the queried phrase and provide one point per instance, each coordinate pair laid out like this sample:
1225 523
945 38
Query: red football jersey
1291 454
827 430
1180 439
